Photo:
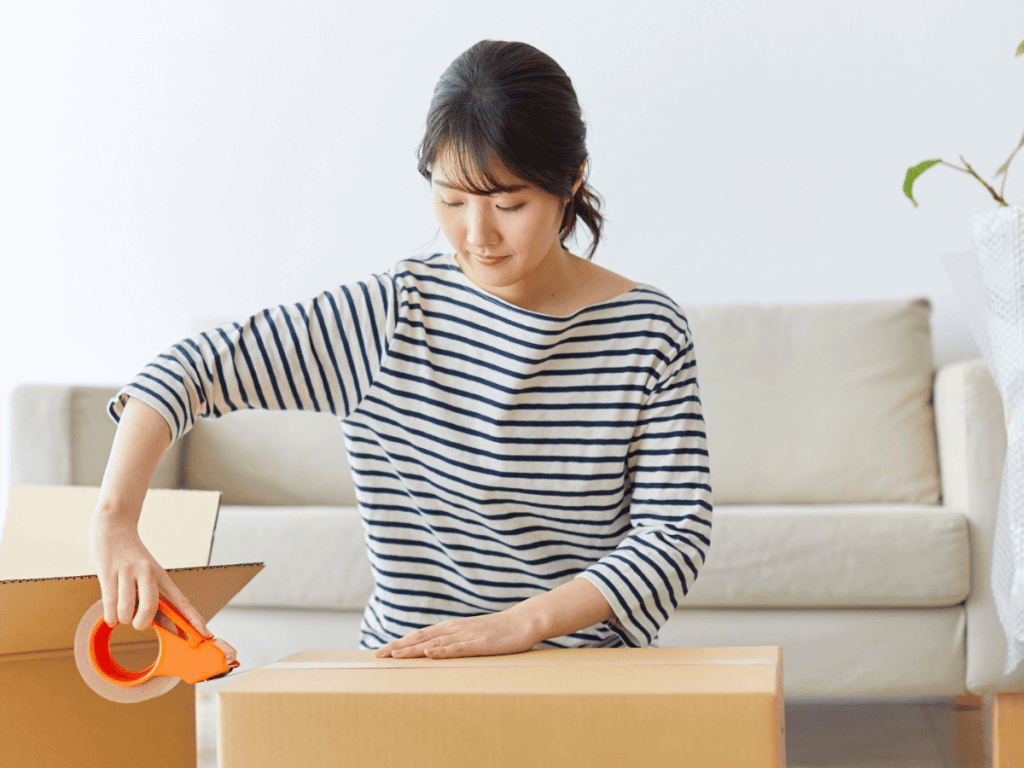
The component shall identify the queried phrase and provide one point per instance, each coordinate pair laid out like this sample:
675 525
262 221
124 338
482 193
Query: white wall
166 165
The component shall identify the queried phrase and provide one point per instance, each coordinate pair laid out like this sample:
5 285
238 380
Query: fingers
148 604
498 633
148 598
126 596
418 644
134 598
229 652
178 600
108 588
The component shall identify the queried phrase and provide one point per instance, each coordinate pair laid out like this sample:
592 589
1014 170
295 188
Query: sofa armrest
61 435
970 428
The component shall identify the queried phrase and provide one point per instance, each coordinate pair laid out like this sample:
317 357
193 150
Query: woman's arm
569 607
125 567
142 438
319 355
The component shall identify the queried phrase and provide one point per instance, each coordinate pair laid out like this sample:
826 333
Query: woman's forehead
458 171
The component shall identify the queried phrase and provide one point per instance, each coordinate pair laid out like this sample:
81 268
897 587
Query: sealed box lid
632 706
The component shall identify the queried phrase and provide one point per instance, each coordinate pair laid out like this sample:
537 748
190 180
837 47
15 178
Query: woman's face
520 227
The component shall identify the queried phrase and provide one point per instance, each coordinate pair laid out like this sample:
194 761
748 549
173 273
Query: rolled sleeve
653 567
319 355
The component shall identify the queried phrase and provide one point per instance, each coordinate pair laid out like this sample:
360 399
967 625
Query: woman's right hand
127 569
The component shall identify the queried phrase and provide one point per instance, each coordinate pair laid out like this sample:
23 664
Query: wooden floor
888 736
873 735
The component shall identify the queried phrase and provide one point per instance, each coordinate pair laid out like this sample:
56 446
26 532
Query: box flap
43 614
46 530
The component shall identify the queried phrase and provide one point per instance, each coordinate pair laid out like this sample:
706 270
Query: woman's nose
480 230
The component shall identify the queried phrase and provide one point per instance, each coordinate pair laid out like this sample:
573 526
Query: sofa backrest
270 457
61 435
818 403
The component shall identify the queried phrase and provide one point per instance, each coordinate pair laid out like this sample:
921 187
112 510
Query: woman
524 427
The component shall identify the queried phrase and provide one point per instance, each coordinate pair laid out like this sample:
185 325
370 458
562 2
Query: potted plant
917 170
991 288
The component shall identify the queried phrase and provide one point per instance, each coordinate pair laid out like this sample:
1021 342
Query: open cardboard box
48 714
645 707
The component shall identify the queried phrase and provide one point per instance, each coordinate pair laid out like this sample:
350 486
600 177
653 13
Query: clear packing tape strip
436 663
990 286
458 663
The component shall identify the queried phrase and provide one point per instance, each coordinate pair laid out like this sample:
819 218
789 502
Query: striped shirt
496 452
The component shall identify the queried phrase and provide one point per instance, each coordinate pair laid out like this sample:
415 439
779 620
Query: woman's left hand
490 634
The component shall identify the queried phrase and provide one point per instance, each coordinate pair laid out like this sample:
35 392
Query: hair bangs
471 165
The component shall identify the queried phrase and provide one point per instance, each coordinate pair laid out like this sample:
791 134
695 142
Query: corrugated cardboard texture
663 707
46 530
49 718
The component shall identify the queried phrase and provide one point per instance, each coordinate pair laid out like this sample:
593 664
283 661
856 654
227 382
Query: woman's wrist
535 622
570 607
111 511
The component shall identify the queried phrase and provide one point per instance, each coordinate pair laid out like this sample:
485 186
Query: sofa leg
1008 730
969 718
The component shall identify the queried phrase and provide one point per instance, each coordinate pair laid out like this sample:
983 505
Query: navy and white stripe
496 452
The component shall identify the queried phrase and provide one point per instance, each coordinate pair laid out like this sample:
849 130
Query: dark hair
512 103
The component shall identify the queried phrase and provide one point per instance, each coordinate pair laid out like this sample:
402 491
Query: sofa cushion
840 555
767 557
315 556
818 403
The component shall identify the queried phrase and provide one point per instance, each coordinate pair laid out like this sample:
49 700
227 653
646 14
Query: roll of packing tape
122 694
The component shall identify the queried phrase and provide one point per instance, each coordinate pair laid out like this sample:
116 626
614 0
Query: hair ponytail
584 207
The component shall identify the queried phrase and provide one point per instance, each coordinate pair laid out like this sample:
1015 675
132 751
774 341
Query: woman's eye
513 209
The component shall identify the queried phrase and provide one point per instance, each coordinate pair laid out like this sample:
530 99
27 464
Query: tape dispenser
185 654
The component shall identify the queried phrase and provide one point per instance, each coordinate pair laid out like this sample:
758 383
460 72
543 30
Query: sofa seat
804 556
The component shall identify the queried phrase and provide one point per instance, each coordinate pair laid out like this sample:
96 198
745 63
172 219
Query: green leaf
912 174
1020 49
1006 165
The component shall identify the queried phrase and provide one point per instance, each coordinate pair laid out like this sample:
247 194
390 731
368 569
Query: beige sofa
855 489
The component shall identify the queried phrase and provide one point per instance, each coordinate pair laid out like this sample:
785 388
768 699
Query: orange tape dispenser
185 654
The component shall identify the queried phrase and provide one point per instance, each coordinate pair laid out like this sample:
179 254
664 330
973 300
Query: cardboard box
642 707
48 715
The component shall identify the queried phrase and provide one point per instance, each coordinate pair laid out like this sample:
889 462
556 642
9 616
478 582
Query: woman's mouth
489 261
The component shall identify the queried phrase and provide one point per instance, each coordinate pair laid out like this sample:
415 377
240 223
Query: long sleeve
321 355
645 577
